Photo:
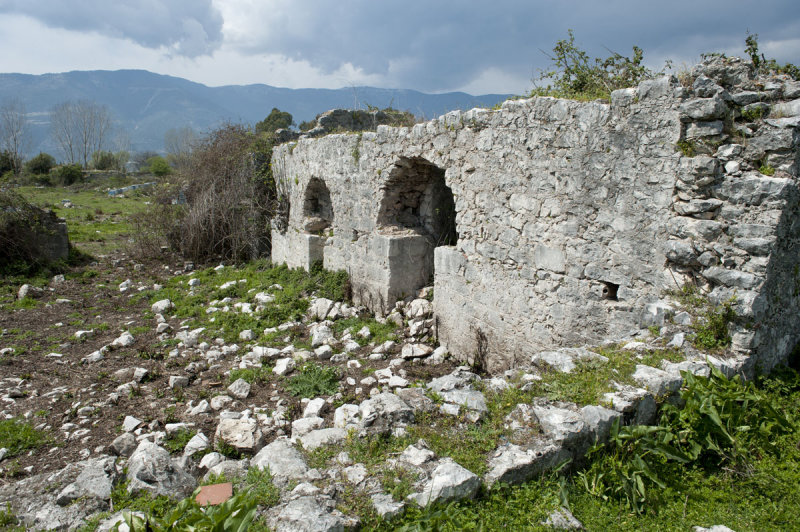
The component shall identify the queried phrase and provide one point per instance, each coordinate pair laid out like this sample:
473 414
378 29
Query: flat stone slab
318 438
512 464
561 425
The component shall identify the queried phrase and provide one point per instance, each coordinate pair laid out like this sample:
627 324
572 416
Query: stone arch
317 206
416 198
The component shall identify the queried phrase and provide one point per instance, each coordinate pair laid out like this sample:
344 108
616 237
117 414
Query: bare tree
80 128
179 143
14 130
64 129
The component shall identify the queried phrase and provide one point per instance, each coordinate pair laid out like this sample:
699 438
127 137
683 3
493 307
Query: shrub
575 75
223 201
7 162
276 120
103 160
69 174
22 228
159 166
41 164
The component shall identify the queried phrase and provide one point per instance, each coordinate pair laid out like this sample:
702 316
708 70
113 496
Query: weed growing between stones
687 148
766 169
379 332
313 380
176 441
712 333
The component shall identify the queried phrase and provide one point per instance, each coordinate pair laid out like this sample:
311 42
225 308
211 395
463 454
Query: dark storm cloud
186 27
436 45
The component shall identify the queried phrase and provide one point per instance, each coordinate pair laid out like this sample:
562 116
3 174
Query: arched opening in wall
416 198
417 214
317 207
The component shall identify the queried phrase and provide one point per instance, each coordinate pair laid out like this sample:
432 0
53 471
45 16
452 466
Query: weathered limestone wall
571 220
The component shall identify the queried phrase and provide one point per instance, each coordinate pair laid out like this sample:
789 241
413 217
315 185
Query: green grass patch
759 489
380 332
19 436
259 375
96 222
590 380
290 303
176 441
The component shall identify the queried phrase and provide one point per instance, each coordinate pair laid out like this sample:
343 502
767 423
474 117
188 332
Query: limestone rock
284 462
242 434
562 425
384 412
449 481
239 389
95 481
512 464
151 469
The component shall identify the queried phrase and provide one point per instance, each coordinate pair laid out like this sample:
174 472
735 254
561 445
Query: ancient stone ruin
552 222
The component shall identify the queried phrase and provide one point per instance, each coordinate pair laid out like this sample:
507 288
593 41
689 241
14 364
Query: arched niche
317 207
416 198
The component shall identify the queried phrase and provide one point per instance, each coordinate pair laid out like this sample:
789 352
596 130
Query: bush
276 120
41 164
7 162
69 174
22 227
103 160
159 166
222 203
575 75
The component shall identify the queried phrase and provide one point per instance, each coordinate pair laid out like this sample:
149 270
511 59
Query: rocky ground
153 379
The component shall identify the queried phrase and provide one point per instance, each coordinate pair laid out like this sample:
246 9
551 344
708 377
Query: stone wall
554 222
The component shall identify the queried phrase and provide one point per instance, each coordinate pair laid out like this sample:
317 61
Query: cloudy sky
432 45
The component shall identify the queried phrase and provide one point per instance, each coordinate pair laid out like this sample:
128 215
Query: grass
19 436
380 332
251 375
96 222
761 493
590 380
290 304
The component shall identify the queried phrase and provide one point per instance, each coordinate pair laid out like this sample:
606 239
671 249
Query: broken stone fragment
561 425
159 307
242 434
239 389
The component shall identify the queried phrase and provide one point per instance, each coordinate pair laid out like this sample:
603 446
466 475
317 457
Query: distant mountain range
145 105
